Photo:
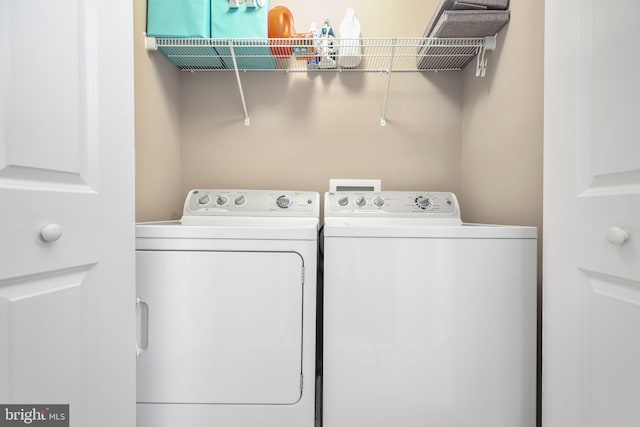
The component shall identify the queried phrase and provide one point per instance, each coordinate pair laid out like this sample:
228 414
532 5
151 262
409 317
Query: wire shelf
384 55
301 55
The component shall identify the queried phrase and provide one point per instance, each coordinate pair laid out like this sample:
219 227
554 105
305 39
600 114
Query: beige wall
501 164
481 138
157 89
305 130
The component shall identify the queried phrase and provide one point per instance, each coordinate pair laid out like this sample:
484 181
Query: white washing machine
427 321
226 311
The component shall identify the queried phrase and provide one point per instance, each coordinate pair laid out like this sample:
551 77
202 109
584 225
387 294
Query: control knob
240 200
203 200
378 201
343 201
361 201
283 202
221 200
424 202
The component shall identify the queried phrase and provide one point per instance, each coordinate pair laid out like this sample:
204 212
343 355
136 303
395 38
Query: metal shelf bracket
383 119
235 68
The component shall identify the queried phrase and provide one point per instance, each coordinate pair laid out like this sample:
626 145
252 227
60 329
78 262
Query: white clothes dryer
226 311
427 321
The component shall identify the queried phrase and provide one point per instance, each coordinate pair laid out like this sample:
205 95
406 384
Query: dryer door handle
142 326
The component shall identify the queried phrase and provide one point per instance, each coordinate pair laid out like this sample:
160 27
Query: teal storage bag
243 22
179 18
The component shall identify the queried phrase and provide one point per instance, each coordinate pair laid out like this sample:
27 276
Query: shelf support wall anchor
235 68
383 120
150 42
489 45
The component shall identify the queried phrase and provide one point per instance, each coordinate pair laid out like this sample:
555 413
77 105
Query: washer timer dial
424 202
361 201
284 202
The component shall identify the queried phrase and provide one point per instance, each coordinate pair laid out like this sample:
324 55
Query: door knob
51 232
617 236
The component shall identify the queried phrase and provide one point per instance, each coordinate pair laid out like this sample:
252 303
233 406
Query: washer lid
201 207
438 208
415 229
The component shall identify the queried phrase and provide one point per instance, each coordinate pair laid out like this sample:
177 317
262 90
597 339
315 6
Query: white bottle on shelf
350 51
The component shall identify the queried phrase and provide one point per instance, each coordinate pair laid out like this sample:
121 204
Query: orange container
281 25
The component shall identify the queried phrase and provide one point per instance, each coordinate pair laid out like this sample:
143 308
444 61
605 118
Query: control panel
255 203
392 204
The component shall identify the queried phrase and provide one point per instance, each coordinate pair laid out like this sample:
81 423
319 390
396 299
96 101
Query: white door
591 305
66 208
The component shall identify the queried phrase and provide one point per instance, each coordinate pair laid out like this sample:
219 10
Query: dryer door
219 327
